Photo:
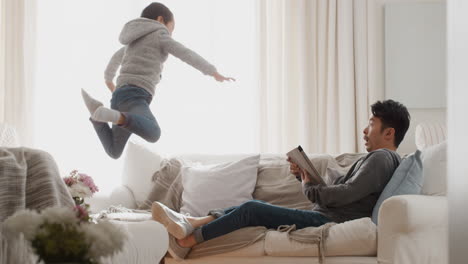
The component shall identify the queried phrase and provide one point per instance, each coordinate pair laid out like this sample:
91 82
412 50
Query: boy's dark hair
154 10
393 114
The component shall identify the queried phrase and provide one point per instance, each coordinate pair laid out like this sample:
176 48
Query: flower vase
78 200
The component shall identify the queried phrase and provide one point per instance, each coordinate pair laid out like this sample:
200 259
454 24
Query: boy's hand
111 86
220 78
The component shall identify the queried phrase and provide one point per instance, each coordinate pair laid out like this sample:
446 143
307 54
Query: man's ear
389 133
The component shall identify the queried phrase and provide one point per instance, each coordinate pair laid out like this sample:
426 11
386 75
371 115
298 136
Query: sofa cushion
352 238
434 160
208 187
276 185
167 181
139 166
407 179
257 249
167 186
429 134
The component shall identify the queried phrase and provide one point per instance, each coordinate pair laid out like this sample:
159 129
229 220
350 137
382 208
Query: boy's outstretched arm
112 68
190 57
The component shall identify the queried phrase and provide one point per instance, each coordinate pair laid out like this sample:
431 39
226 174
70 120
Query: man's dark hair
393 114
154 10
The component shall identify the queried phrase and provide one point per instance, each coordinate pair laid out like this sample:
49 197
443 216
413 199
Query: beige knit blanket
29 179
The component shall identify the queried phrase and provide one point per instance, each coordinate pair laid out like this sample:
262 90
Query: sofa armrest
413 229
119 196
148 242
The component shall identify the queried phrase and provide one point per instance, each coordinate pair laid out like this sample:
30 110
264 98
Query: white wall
418 115
415 57
457 29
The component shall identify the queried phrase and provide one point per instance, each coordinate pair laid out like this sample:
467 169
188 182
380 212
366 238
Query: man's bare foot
192 220
187 242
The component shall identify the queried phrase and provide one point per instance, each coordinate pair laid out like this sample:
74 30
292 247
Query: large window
198 115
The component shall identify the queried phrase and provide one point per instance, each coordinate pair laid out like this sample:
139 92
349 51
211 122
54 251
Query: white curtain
318 74
17 19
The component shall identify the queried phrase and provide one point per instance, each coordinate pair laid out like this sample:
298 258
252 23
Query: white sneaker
175 223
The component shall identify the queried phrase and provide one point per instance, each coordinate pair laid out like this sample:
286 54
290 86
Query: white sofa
412 228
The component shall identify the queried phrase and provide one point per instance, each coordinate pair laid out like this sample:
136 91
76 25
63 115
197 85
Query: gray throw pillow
407 179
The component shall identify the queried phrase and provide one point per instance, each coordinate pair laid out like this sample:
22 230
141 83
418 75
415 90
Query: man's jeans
257 213
133 102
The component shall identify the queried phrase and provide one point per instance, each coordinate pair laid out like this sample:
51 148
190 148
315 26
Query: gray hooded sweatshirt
355 194
147 46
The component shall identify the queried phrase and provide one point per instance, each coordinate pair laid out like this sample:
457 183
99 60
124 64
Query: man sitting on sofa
351 196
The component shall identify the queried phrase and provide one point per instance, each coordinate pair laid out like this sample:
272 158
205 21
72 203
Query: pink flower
88 181
80 184
81 213
69 181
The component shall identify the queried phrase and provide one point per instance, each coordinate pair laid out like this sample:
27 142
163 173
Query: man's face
374 137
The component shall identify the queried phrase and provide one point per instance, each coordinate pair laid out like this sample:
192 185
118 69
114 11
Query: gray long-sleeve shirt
354 195
147 46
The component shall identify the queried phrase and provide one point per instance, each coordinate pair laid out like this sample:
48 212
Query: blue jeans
257 213
133 102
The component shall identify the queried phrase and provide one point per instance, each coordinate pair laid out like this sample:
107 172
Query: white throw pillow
434 160
140 164
208 187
